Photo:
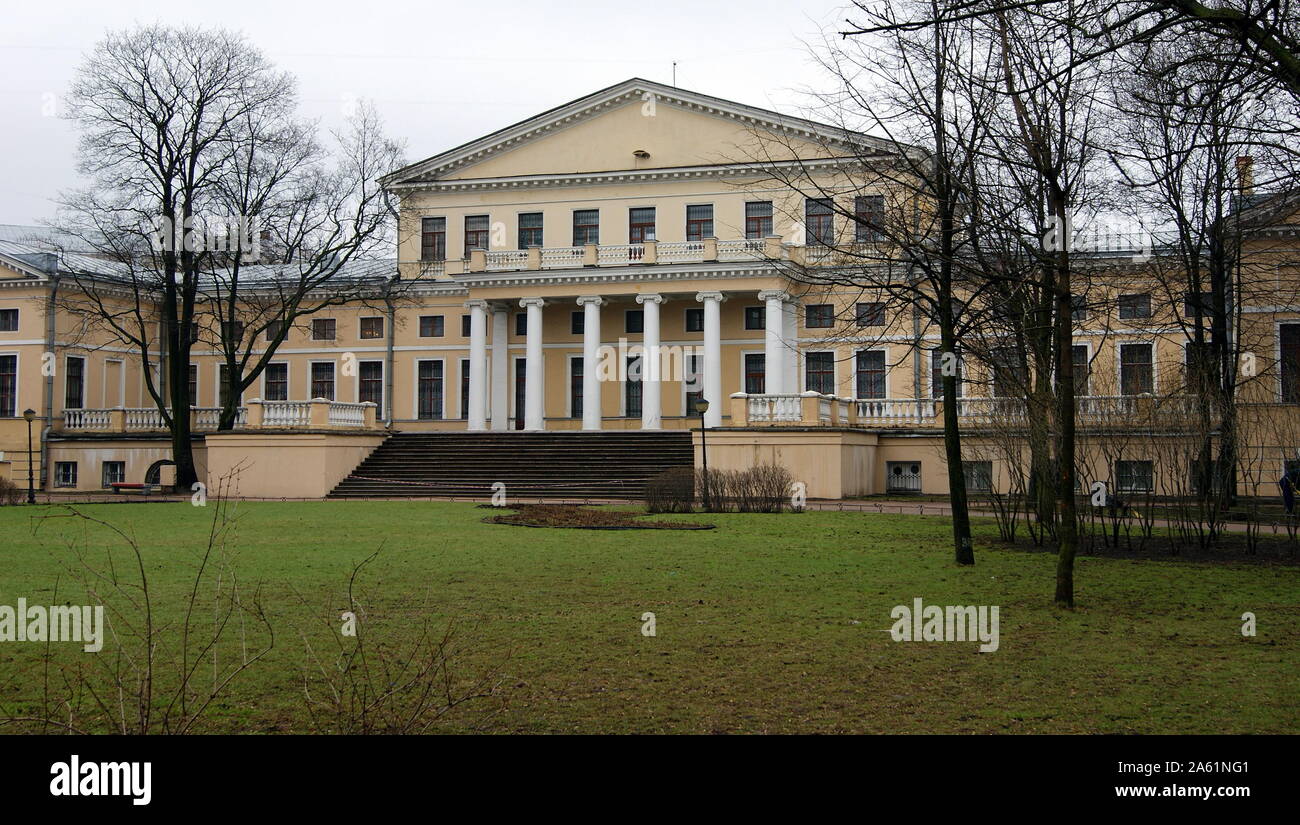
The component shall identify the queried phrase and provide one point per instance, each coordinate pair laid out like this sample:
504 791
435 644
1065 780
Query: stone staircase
569 465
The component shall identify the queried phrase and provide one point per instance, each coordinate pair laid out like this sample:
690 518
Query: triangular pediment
638 126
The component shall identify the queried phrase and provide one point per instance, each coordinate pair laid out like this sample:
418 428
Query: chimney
1246 175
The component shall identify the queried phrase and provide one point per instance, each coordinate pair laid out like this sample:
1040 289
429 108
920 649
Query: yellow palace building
539 265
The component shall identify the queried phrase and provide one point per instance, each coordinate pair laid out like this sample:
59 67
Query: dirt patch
585 518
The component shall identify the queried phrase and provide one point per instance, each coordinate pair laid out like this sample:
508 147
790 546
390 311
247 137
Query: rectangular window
322 329
8 320
8 386
694 383
634 319
74 384
758 219
232 331
1135 370
521 392
194 384
372 327
819 221
275 382
1078 308
1134 476
464 388
476 232
936 373
695 319
112 472
755 373
819 372
641 224
65 474
433 239
819 316
869 314
586 226
1137 305
223 384
869 214
577 322
699 222
273 329
370 384
431 326
1010 375
755 317
429 392
1289 347
322 380
870 370
530 229
978 475
1079 353
1199 366
521 323
465 326
1204 302
632 388
577 367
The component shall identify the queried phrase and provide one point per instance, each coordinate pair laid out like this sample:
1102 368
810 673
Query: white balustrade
620 254
286 413
506 259
742 250
767 409
343 414
895 410
565 257
688 252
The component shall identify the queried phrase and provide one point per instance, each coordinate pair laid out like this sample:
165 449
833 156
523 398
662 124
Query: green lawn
770 623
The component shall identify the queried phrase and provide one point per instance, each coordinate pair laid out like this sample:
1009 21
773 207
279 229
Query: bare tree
179 128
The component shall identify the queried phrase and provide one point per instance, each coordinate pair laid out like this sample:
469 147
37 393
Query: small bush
763 488
9 493
672 491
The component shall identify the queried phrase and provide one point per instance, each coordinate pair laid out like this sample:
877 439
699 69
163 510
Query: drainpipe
51 327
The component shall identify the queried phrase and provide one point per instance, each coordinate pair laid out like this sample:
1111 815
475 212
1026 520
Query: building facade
608 264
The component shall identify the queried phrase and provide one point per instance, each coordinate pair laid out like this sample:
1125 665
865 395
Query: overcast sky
441 73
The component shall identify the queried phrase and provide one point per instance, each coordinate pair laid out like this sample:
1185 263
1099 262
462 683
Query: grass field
769 623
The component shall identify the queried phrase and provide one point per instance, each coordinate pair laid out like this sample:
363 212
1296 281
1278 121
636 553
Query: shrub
763 488
672 491
9 492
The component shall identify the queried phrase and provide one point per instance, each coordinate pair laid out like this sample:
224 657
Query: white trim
1277 352
853 372
18 325
383 331
743 354
18 383
568 387
334 376
462 388
1119 367
803 370
288 380
85 361
415 384
356 384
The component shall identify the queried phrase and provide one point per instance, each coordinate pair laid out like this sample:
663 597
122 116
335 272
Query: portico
668 350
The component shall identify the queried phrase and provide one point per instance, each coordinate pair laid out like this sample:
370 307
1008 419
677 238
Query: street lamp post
701 407
28 416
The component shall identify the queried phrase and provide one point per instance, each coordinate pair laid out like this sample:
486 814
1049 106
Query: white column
533 366
790 320
775 360
712 356
590 360
477 364
651 363
500 367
